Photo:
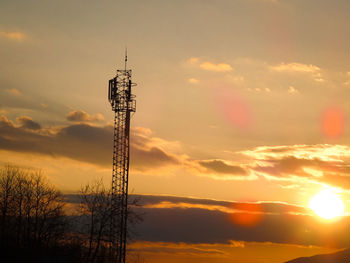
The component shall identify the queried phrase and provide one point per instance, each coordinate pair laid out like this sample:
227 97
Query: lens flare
247 215
327 204
234 109
333 122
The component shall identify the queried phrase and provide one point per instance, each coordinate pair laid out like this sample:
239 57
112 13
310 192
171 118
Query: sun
327 204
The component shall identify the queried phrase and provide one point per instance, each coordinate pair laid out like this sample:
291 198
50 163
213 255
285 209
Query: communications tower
123 105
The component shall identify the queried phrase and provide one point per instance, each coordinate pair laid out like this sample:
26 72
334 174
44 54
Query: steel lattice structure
123 104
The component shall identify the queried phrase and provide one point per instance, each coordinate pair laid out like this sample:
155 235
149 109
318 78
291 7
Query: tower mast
123 104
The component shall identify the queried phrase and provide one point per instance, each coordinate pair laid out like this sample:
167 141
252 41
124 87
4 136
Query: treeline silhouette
37 226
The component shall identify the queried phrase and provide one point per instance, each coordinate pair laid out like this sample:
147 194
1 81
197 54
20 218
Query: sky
239 101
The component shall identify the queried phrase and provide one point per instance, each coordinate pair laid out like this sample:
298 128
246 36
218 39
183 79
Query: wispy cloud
295 67
14 92
193 80
193 60
209 66
183 205
292 90
13 35
183 249
220 67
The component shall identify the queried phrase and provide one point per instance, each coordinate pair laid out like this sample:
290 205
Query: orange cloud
181 248
15 92
193 80
292 90
193 60
295 67
15 35
313 70
183 205
221 67
210 66
322 163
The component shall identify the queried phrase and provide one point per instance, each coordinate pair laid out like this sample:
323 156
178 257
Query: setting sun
327 204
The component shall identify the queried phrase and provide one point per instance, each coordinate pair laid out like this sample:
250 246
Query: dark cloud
290 165
196 225
321 163
146 159
265 207
81 142
92 144
82 116
336 173
218 166
278 223
28 123
85 143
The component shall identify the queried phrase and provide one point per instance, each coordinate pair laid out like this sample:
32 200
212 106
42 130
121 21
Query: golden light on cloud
295 67
18 36
15 92
292 90
193 80
193 60
221 67
333 121
327 204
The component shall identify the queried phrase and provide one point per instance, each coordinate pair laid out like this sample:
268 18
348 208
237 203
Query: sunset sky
239 102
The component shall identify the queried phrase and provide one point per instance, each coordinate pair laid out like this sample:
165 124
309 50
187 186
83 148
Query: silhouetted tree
34 227
96 207
31 209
